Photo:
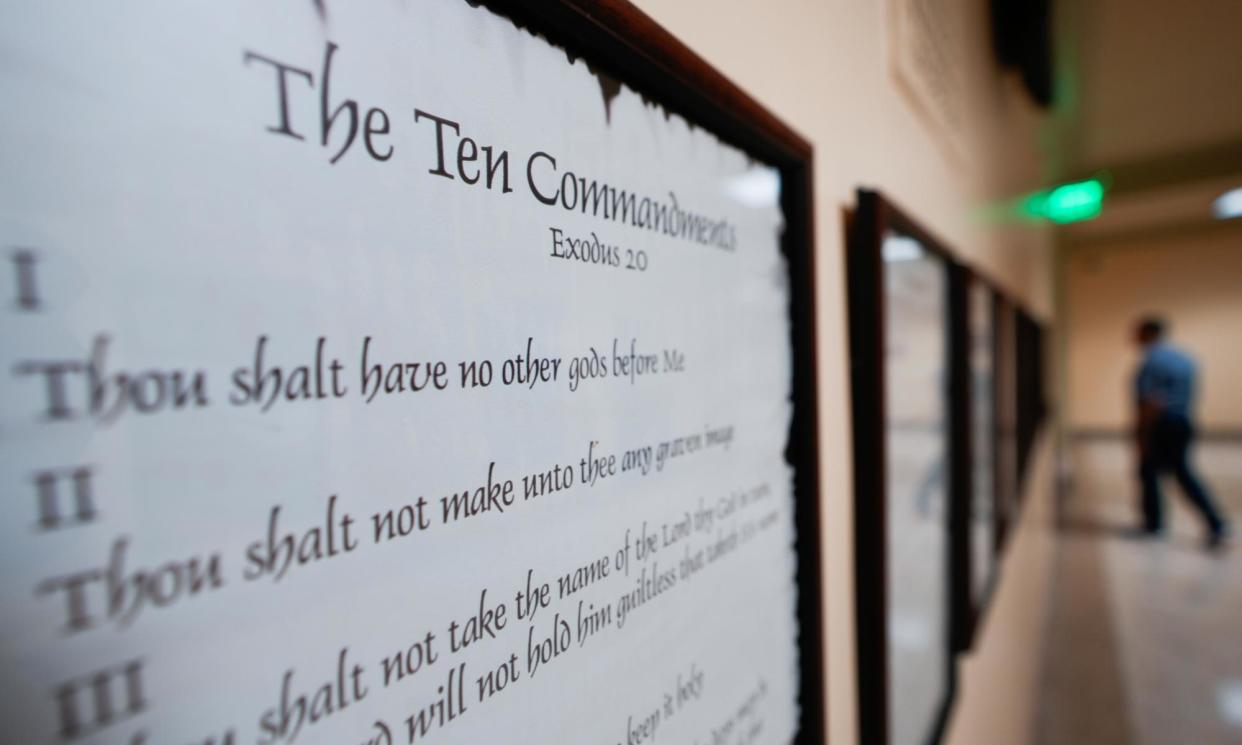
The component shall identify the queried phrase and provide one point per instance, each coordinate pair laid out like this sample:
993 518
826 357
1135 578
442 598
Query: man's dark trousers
1170 440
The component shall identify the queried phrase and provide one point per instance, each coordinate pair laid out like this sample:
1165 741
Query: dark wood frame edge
866 364
963 612
619 40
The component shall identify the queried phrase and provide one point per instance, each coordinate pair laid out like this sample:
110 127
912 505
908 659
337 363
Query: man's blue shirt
1166 379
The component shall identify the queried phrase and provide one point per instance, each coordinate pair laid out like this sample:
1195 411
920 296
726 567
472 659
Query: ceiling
1149 91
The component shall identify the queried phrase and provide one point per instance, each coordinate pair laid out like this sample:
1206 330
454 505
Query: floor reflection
1144 642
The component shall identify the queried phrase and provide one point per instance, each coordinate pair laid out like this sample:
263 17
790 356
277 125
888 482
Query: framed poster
976 534
901 287
1005 426
399 373
1031 402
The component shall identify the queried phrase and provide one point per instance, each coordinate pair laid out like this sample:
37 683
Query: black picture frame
1018 410
1004 429
874 217
971 598
1032 406
620 41
1023 408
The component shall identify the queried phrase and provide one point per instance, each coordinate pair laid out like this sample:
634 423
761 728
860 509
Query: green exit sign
1080 200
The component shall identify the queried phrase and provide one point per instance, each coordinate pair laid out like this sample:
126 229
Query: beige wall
1192 277
824 67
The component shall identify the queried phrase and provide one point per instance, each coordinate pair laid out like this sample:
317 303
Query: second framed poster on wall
900 281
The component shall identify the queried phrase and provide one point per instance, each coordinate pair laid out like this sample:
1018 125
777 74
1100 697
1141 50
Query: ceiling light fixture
1228 205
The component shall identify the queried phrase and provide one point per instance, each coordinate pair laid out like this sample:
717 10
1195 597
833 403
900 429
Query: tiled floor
1144 641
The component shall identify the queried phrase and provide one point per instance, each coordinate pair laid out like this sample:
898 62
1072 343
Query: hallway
1144 638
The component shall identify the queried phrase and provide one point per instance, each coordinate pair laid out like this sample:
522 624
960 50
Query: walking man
1164 390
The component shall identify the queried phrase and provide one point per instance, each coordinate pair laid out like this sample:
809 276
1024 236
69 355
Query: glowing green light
1080 200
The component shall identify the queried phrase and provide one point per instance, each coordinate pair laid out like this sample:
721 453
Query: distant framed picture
1030 398
1005 418
976 531
904 302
